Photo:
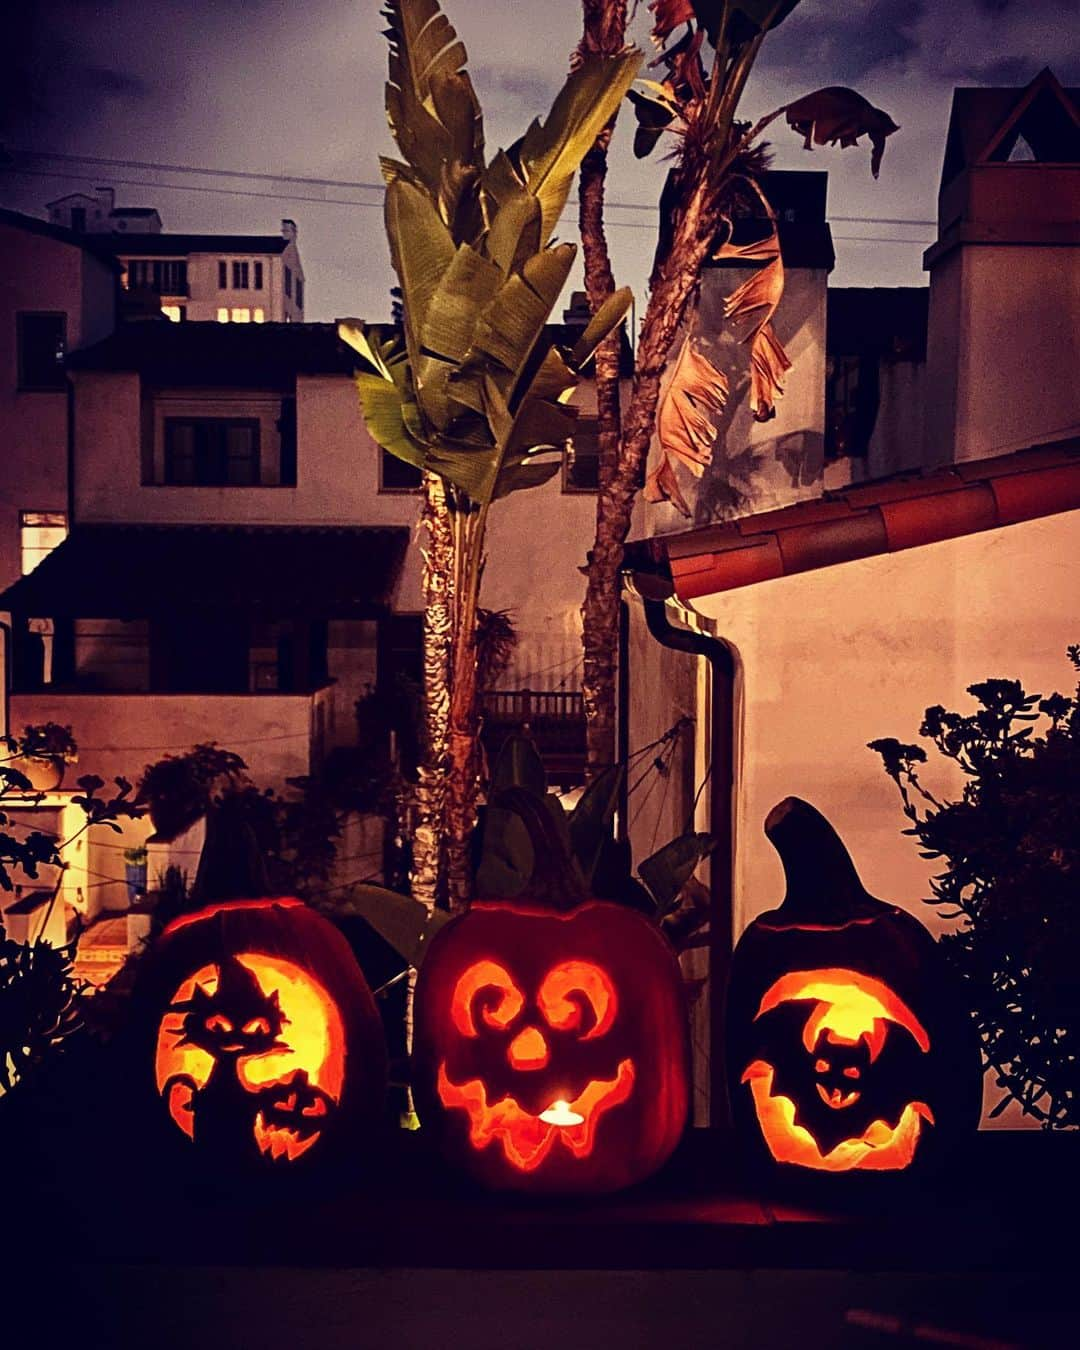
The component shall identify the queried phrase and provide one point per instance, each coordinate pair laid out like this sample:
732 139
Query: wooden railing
553 718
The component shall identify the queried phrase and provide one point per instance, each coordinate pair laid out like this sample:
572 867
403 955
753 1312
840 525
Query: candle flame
559 1113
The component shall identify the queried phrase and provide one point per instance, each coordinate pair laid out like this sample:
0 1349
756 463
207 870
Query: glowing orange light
588 981
527 1139
481 976
528 1050
879 1148
313 1043
850 1008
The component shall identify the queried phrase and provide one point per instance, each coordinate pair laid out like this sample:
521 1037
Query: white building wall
831 659
1004 349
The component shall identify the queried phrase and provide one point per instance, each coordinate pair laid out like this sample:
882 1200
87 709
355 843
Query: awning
142 571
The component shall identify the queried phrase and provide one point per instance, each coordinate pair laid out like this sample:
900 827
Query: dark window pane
78 219
397 476
222 275
288 280
299 292
287 430
41 350
211 452
258 276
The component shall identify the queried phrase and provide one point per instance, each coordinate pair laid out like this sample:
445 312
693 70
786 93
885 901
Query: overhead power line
344 183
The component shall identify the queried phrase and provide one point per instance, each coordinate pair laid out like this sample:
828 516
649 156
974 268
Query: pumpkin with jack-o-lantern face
848 1050
551 1045
267 1047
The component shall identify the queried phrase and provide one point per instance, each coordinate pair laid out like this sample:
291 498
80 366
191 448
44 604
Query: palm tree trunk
437 583
605 34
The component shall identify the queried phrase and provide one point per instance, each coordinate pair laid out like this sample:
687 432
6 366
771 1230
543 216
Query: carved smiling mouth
527 1139
835 1098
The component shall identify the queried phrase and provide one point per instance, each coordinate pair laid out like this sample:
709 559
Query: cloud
1001 42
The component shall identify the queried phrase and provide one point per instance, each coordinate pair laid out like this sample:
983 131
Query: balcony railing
553 718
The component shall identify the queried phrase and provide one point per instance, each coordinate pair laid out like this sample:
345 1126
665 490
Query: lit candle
559 1113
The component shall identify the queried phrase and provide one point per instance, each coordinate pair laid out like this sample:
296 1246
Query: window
176 313
288 280
581 458
258 276
258 316
39 534
41 350
397 476
240 276
223 316
851 404
240 315
222 274
299 292
286 426
78 219
163 276
211 452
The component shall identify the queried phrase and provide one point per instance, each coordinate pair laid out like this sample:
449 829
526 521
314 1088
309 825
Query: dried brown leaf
762 291
840 114
695 391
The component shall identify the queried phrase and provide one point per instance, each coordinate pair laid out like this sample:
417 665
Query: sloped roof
255 355
138 571
179 245
89 243
979 117
905 511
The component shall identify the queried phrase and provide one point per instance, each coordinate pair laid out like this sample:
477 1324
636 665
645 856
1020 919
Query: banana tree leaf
506 857
549 153
406 924
519 477
514 234
421 249
515 318
653 115
466 288
590 820
669 869
381 404
458 109
554 381
747 17
606 319
518 765
380 347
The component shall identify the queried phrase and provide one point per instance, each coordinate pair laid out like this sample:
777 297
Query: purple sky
297 89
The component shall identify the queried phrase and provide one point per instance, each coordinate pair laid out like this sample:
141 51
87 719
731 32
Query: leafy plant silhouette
1012 882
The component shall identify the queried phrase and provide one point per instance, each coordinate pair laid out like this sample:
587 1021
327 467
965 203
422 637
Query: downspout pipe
722 781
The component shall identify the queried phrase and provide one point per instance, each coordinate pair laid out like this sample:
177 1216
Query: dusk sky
273 88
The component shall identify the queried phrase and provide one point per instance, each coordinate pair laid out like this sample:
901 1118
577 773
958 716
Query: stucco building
936 547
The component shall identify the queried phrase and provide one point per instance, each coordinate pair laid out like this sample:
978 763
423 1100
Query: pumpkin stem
232 866
556 879
823 886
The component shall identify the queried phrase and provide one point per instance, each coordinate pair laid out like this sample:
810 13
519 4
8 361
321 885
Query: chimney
106 197
288 229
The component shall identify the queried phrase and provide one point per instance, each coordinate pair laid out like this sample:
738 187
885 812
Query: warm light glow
313 1039
851 1007
242 315
258 316
482 976
591 984
526 1139
173 312
223 316
559 1113
528 1050
879 1148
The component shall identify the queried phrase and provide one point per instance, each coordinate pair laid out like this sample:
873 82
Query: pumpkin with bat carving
268 1050
551 1049
848 1050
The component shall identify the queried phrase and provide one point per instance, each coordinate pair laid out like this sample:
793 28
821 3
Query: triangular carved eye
488 987
575 993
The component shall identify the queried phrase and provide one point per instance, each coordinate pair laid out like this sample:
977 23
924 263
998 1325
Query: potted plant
41 755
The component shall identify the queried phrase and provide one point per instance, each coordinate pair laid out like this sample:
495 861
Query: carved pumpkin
551 1046
847 1049
268 1048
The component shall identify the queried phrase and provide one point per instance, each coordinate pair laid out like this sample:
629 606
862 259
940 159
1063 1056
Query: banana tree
716 157
471 389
